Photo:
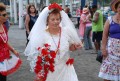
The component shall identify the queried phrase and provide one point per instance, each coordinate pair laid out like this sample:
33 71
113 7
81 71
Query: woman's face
118 8
54 20
3 16
32 9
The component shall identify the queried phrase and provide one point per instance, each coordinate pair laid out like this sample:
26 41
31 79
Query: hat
113 3
85 10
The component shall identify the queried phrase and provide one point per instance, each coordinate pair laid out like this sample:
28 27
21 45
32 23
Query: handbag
99 57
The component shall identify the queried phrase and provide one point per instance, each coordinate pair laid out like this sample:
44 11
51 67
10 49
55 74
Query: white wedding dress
63 72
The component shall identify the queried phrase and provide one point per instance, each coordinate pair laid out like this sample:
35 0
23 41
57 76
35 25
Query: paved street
86 66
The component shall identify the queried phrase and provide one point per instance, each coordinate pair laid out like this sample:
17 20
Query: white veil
37 32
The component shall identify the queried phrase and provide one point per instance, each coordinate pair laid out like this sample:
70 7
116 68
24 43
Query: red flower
44 52
53 54
36 71
39 48
55 6
46 67
39 60
46 45
47 58
51 61
70 61
51 67
38 68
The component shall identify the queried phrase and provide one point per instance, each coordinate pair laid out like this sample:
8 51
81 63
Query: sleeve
68 36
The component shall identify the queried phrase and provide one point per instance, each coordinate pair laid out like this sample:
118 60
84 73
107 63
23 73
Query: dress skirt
10 65
110 68
63 72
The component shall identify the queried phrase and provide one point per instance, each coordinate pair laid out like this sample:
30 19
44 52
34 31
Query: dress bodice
114 30
4 49
65 42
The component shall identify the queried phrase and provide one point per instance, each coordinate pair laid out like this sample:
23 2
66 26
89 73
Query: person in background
78 17
9 63
87 34
110 68
97 27
67 10
83 23
7 24
30 19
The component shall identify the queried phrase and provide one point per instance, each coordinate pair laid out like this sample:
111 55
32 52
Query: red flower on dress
45 62
70 61
55 6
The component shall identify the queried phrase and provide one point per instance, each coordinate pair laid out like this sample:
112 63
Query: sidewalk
86 66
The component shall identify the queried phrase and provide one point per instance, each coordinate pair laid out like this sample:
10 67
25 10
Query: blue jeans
87 39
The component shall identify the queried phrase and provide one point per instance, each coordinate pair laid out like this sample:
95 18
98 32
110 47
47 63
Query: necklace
3 36
57 46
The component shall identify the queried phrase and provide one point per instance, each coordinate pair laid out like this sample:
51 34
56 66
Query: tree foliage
56 1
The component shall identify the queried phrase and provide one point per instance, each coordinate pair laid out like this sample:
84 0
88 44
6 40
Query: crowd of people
51 36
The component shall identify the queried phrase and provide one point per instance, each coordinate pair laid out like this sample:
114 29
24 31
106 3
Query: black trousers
3 78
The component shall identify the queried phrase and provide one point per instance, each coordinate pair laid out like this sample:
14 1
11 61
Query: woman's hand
74 47
16 53
104 53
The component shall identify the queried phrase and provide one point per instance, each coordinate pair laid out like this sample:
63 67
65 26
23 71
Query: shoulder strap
110 19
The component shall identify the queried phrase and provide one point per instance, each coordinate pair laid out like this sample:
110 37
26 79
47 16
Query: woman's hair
116 5
54 11
30 7
2 7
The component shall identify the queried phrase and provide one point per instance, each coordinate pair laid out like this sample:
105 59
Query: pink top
82 25
88 22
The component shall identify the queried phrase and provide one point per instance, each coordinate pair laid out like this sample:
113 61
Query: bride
56 30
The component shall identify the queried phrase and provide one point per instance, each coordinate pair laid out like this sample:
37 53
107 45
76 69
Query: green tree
56 1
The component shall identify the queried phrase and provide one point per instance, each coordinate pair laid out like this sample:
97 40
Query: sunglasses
4 15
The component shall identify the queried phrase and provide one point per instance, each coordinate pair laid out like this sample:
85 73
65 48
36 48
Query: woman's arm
27 20
13 50
105 38
83 18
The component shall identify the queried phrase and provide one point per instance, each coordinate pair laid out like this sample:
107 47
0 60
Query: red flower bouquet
45 62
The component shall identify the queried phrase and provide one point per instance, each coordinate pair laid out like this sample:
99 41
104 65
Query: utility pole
71 1
63 4
21 14
35 1
15 12
11 11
